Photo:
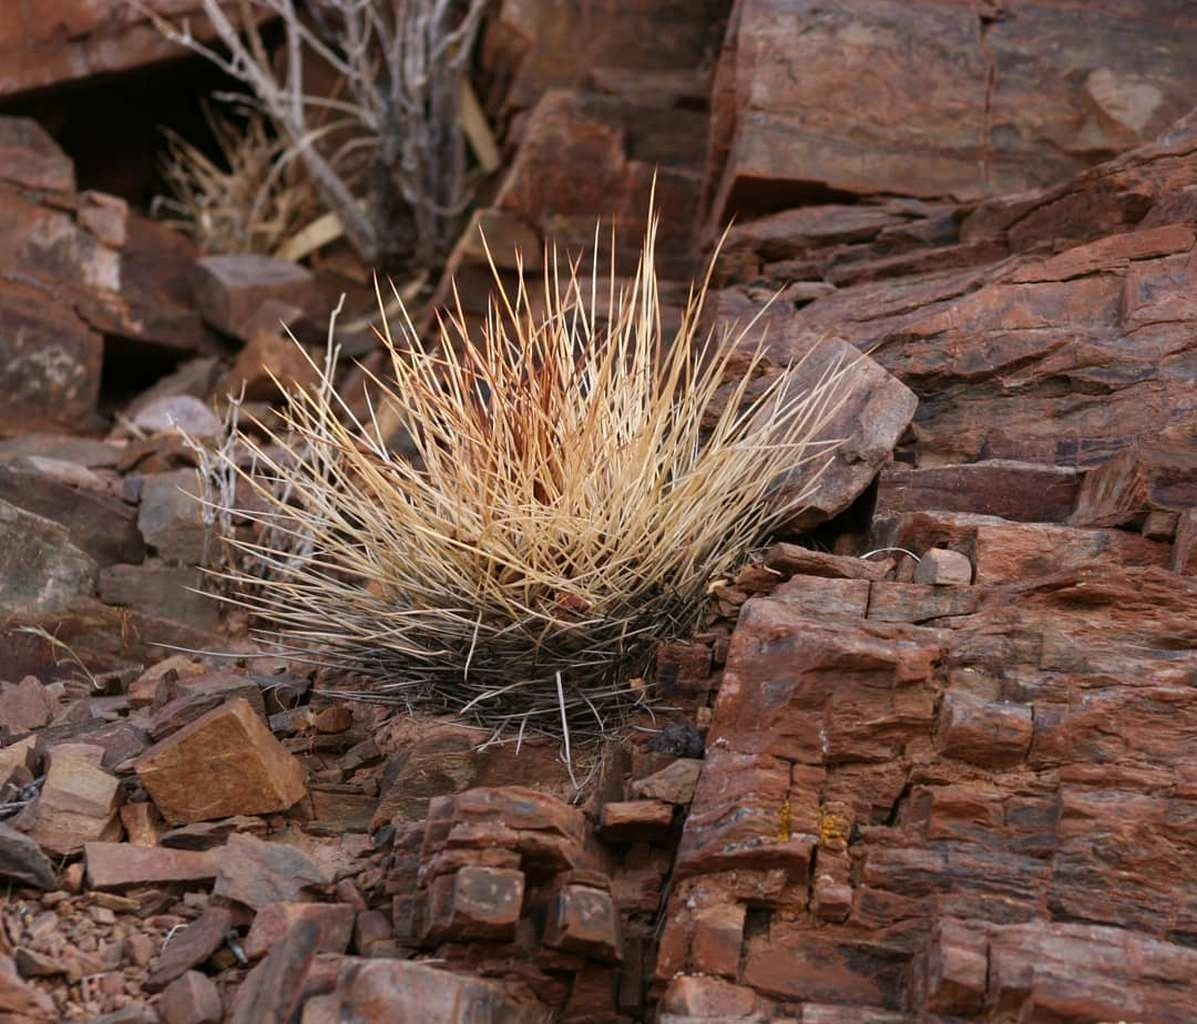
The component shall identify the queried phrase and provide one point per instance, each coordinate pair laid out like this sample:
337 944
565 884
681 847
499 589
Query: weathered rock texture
934 100
52 41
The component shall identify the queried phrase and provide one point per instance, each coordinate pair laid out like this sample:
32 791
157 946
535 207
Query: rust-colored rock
224 763
476 903
191 999
257 873
334 922
122 865
230 288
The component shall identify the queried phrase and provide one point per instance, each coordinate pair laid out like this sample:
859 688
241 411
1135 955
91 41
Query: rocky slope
932 759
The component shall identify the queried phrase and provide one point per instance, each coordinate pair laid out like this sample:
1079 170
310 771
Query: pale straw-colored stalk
579 480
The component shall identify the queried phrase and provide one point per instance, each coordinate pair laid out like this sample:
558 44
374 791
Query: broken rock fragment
256 872
224 763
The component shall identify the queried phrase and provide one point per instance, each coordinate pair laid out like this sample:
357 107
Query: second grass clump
579 481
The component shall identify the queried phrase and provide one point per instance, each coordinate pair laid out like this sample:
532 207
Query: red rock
191 999
334 922
256 873
674 783
941 566
1184 549
914 602
273 991
709 999
957 969
1020 491
97 523
22 861
335 719
376 991
1004 552
984 732
874 410
370 928
75 40
476 903
270 358
77 804
635 821
224 763
168 591
31 158
716 942
825 597
684 667
191 946
25 706
121 865
584 920
1145 478
190 699
230 288
775 130
21 1000
797 561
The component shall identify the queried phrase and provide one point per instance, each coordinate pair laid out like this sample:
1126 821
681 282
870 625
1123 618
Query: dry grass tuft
253 199
565 513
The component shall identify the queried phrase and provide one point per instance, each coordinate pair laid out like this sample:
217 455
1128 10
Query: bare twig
399 184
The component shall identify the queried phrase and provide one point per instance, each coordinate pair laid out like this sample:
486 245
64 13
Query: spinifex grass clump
580 481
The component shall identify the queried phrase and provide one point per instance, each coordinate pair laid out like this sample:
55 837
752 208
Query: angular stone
334 923
230 288
634 821
105 216
699 998
224 763
915 602
195 696
40 570
674 783
798 561
122 865
1184 548
957 969
21 1001
168 591
77 805
1005 552
397 990
716 942
191 999
143 824
1019 491
983 732
1148 477
273 991
25 706
256 873
192 945
22 861
269 359
97 523
821 596
584 920
181 413
171 516
944 567
476 903
875 410
29 157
